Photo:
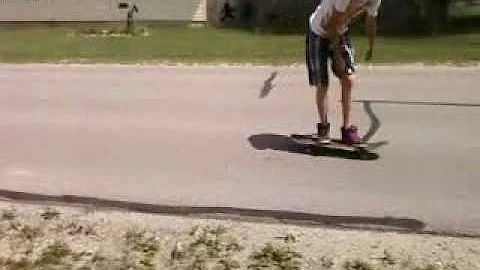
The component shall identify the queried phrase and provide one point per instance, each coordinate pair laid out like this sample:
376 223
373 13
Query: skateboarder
328 38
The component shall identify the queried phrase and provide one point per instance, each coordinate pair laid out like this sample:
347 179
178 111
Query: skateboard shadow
284 143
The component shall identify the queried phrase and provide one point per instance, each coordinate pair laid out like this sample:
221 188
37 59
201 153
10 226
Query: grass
49 214
358 265
207 248
75 228
209 45
465 10
8 214
52 257
281 257
388 259
146 246
54 254
51 239
30 233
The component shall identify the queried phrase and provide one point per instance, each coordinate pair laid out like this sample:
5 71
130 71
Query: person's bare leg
349 131
347 83
323 127
322 103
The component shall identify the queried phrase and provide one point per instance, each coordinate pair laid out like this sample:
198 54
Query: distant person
328 38
227 12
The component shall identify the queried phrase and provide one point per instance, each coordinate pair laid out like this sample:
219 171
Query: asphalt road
214 139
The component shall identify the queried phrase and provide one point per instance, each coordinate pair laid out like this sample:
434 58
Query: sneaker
323 133
350 136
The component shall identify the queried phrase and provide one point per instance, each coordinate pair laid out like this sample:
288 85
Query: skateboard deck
309 141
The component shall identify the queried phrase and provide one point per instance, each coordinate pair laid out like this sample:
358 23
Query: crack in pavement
420 103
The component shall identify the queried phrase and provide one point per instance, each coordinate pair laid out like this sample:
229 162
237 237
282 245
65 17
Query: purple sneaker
350 136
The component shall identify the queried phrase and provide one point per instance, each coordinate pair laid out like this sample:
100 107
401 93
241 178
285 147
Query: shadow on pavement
284 143
419 103
287 217
268 85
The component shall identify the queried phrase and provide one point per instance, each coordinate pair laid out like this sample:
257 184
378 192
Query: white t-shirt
321 16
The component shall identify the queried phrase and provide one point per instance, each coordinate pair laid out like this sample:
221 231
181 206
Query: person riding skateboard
328 38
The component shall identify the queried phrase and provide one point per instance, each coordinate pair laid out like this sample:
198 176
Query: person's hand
369 55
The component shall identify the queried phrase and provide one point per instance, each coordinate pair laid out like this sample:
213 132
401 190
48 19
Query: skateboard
357 151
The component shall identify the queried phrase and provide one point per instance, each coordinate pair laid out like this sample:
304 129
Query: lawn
34 237
210 45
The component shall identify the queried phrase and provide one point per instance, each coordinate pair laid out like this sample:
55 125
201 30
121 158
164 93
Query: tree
437 15
396 16
414 16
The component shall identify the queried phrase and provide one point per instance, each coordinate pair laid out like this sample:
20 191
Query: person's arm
334 30
337 21
371 33
336 25
371 27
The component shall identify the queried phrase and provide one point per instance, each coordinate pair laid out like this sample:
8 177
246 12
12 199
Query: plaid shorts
319 50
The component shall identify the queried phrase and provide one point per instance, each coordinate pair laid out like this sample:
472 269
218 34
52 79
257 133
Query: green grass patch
210 45
207 248
8 214
465 10
49 214
29 242
276 256
457 49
